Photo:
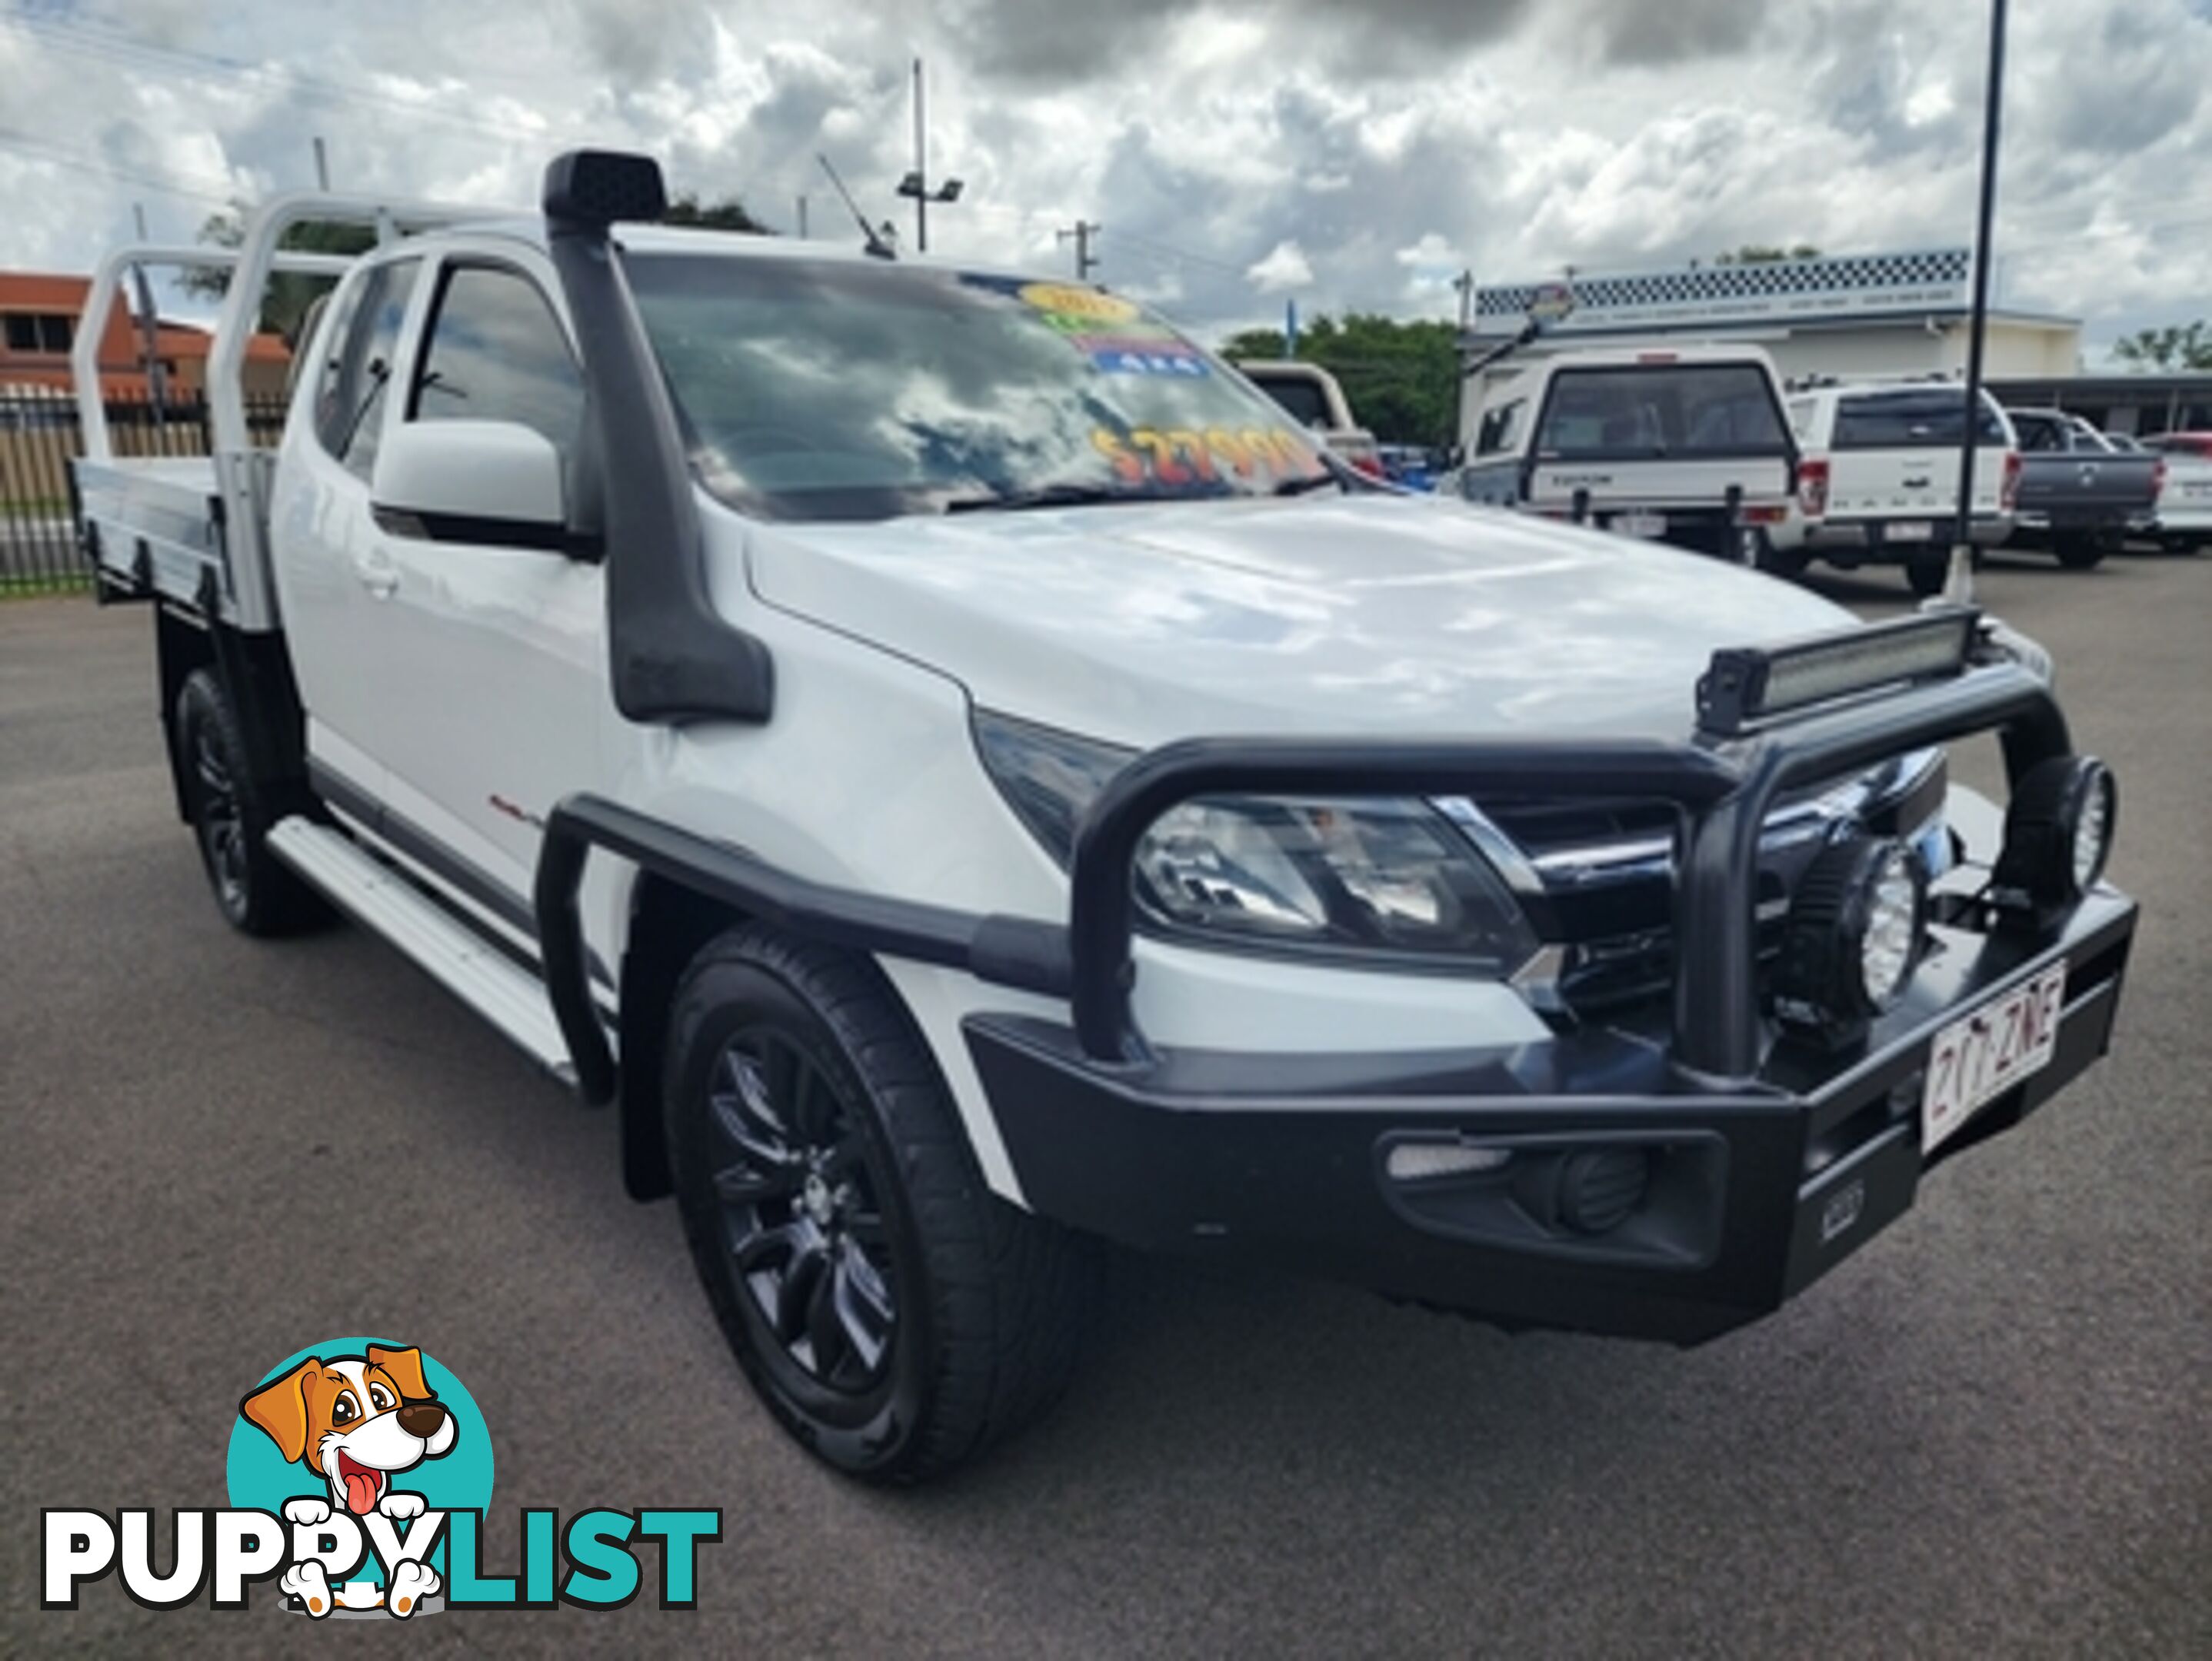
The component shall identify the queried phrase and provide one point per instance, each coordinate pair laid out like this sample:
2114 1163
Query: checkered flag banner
1860 281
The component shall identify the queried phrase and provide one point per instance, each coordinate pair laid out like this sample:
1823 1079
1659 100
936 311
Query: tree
2176 346
1753 253
727 214
1400 378
285 304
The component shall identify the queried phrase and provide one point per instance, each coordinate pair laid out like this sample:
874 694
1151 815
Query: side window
496 353
364 339
2038 433
1501 427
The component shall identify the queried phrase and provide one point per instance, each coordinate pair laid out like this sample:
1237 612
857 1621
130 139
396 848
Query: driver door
494 654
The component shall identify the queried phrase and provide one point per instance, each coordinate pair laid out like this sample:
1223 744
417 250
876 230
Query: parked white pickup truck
2182 519
1687 445
1878 474
962 783
1315 399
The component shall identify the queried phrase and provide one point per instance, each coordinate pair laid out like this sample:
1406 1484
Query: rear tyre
1926 576
1780 561
896 1316
2080 551
231 812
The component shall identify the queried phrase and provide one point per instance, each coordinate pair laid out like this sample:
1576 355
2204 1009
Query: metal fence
38 437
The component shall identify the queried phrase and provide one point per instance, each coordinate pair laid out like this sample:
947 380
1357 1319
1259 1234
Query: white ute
1685 445
962 777
1878 474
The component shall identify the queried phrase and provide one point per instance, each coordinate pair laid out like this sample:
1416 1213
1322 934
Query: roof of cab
530 229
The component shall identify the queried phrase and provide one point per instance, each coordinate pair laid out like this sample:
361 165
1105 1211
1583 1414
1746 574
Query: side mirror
491 482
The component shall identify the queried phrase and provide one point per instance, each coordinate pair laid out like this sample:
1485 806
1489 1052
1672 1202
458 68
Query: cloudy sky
1236 151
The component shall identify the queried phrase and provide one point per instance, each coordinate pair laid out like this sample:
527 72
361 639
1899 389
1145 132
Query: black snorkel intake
674 657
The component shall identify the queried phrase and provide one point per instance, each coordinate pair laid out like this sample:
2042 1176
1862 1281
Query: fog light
2059 833
1600 1189
1412 1162
1854 935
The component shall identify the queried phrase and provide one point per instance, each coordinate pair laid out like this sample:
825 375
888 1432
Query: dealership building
1851 315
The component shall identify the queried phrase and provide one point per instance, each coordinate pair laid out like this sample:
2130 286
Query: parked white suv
1878 480
962 775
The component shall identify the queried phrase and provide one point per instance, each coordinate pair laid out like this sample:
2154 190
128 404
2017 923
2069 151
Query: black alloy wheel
800 1218
895 1315
220 822
231 811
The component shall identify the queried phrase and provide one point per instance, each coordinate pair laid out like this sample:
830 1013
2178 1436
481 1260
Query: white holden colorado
964 778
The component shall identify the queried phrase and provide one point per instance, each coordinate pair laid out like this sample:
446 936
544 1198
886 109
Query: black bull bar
1722 789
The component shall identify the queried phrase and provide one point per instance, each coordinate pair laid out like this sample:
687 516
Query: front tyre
895 1315
231 813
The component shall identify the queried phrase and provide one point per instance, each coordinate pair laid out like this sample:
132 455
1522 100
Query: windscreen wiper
1046 496
1299 487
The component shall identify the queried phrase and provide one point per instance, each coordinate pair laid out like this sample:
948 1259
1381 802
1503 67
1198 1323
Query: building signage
1778 291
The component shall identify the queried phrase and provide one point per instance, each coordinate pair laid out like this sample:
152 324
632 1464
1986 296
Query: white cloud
1231 148
1285 267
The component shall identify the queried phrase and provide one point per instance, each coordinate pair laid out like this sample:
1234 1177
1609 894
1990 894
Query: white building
1850 315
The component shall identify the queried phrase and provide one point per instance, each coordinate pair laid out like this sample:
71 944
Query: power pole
157 384
1958 584
1465 283
1081 233
322 167
802 215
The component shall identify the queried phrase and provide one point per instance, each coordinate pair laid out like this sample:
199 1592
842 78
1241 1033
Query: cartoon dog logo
356 1421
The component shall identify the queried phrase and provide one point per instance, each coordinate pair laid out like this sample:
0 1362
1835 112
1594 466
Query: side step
511 998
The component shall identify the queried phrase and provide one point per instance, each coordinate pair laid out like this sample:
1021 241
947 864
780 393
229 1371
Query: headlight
1374 875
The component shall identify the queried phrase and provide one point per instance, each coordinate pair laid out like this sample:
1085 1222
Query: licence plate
1640 525
1975 1060
1909 530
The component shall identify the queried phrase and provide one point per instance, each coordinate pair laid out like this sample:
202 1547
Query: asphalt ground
1986 1433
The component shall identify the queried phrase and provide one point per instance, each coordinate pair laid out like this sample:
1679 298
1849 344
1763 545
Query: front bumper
1757 1187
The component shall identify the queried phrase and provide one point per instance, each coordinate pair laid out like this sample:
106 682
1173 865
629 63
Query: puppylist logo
359 1474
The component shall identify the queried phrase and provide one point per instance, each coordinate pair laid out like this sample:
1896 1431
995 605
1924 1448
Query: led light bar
1745 685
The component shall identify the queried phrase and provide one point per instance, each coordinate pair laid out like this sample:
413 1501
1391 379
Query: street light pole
916 184
1959 584
921 167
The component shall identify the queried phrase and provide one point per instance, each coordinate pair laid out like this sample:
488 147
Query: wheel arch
668 924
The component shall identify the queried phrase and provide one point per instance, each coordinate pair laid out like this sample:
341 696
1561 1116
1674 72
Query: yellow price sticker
1066 300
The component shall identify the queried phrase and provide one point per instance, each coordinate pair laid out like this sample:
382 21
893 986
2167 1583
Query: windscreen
1641 411
1908 420
844 390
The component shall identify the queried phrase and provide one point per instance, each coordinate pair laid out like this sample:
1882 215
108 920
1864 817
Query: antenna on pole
872 242
1958 576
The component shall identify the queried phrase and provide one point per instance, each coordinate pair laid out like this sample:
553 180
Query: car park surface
1987 1432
